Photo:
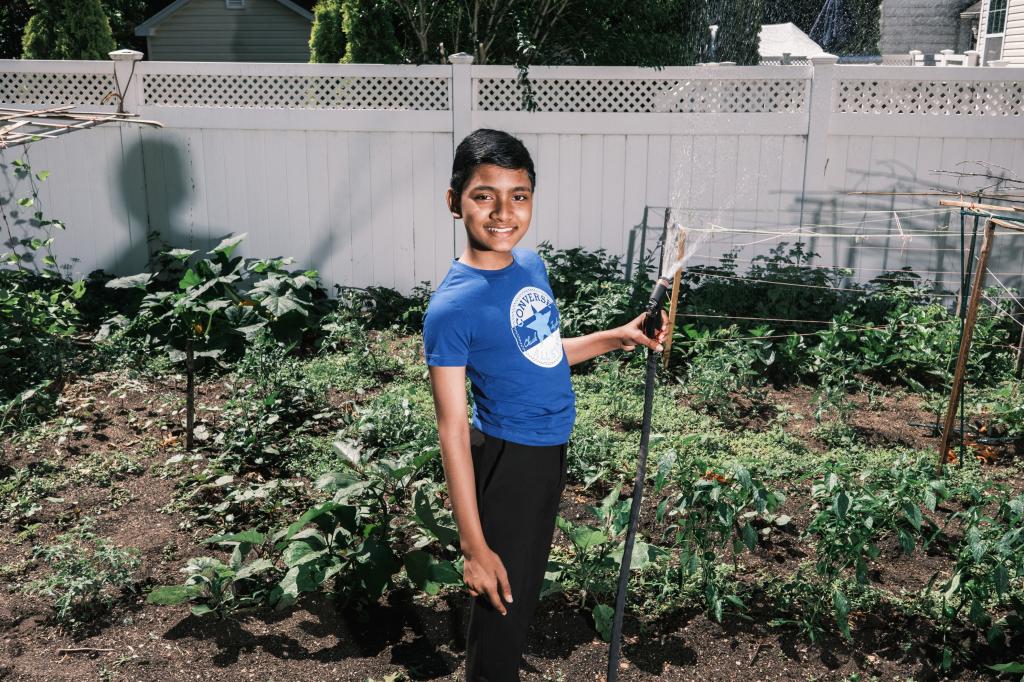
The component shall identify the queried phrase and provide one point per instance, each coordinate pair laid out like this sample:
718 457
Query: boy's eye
482 197
521 197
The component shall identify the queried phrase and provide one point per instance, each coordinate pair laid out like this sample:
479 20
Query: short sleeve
446 335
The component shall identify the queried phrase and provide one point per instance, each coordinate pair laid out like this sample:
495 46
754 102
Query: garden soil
405 636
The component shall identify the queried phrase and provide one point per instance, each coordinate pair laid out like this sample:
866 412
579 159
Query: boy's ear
453 203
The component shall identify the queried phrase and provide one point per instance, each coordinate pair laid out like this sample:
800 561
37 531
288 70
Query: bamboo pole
674 304
972 206
965 342
1011 224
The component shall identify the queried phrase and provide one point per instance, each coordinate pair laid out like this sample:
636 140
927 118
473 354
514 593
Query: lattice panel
705 96
957 98
55 88
296 92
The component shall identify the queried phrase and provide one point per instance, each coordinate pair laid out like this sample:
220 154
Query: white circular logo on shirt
535 322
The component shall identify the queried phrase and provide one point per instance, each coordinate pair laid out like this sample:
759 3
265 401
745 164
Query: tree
859 19
14 14
124 16
67 29
739 29
696 27
523 32
326 40
369 27
422 18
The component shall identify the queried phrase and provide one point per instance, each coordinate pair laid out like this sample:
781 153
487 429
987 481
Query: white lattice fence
690 96
55 88
945 97
392 93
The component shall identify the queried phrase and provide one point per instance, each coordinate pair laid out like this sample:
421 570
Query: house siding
205 31
926 25
1013 45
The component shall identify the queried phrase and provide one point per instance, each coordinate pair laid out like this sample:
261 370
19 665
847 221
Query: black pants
517 489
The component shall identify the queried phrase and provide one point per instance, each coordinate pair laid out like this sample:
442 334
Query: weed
88 575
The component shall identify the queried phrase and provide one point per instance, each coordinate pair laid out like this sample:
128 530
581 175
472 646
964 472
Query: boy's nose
501 210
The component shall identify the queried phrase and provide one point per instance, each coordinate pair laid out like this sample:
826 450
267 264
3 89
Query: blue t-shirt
503 327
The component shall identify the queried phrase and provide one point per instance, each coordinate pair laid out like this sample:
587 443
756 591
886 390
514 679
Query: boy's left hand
632 335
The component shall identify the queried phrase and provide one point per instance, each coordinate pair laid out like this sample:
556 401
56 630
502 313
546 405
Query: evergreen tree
40 38
739 29
86 31
326 40
369 27
67 29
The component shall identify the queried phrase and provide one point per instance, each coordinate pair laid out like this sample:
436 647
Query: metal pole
634 516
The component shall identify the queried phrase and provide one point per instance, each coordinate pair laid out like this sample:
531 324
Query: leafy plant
721 368
989 560
38 305
218 302
597 553
87 576
714 512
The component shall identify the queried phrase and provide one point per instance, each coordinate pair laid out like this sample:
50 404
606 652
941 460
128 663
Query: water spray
671 262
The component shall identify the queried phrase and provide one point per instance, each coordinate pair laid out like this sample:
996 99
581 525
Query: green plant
219 302
715 511
720 368
271 405
215 587
67 29
369 33
597 552
87 576
23 490
38 306
989 562
326 40
382 516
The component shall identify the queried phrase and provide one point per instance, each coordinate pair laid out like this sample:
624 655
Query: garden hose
652 325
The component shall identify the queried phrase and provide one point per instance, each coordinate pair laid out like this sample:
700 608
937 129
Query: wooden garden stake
1018 367
190 395
965 341
680 252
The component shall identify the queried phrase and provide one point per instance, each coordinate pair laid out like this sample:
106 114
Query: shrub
326 40
67 29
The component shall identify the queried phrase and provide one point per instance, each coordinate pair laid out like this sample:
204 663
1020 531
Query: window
996 16
240 4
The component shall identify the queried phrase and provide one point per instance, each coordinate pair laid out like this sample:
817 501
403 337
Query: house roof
778 39
972 11
144 29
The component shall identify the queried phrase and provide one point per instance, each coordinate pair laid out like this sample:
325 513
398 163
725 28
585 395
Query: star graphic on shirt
540 325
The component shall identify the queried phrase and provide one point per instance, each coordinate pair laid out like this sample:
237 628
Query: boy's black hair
489 146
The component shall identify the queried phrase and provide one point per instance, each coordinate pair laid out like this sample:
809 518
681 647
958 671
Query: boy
494 319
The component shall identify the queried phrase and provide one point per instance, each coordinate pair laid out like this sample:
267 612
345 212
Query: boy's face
496 206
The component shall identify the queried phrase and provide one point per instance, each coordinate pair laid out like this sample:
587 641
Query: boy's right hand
484 573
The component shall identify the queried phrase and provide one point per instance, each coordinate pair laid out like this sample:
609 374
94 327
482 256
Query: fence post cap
125 55
460 58
916 52
824 59
946 51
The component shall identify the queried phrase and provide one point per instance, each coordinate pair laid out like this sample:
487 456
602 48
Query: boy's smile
496 207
